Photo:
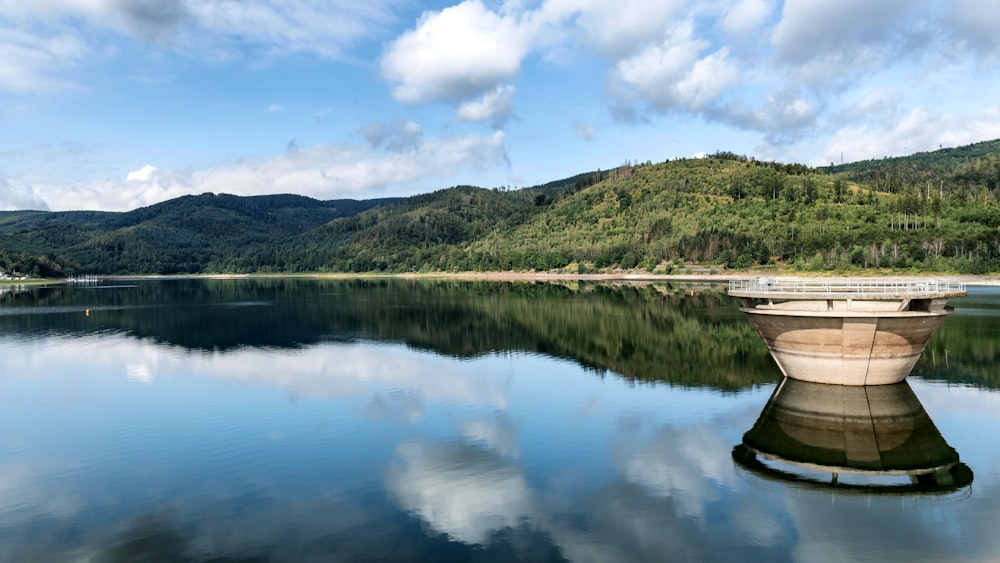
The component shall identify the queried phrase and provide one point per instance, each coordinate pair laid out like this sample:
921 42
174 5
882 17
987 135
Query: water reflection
462 490
642 332
880 434
966 350
382 427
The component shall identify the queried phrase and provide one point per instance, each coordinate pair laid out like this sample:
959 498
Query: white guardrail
863 286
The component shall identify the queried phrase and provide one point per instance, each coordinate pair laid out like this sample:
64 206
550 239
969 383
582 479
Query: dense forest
932 211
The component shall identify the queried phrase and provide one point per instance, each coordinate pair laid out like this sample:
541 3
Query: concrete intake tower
849 331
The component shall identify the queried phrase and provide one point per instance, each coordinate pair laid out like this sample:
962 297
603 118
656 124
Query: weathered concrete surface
845 347
850 331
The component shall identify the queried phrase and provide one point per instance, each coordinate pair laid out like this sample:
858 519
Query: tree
838 190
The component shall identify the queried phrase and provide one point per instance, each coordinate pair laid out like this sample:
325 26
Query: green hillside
930 211
726 211
952 165
190 234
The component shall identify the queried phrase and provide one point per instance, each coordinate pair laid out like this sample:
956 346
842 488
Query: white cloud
687 465
320 171
152 18
35 61
812 29
673 75
326 171
617 29
37 44
460 490
322 27
776 68
781 115
919 130
462 51
708 78
499 434
113 196
743 19
15 196
828 45
25 494
784 70
321 371
142 175
395 136
974 25
495 105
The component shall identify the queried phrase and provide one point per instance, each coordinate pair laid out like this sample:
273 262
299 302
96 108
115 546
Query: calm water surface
267 420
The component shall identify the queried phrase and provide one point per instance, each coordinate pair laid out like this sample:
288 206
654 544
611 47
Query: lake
394 420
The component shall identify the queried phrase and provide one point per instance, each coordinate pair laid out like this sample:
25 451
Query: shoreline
968 279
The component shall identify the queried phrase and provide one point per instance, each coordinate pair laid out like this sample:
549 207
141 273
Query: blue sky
117 104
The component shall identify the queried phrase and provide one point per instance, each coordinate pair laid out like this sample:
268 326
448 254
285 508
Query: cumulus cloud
326 171
142 175
462 51
495 106
781 115
617 29
777 68
812 29
466 53
920 129
674 74
15 196
398 159
827 45
790 72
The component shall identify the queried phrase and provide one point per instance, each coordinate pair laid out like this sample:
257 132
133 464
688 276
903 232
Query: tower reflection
855 439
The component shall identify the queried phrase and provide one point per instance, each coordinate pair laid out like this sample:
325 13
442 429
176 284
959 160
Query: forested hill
977 163
189 234
930 211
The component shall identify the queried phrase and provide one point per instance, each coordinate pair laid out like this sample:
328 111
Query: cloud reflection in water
423 455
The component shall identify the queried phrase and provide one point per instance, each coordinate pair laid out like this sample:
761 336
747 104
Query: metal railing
861 286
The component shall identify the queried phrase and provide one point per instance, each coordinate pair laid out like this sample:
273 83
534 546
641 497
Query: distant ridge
941 160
